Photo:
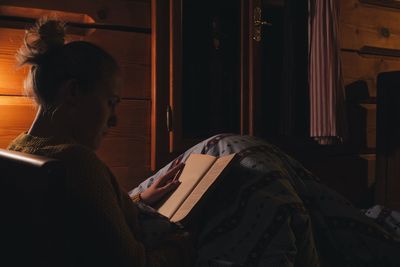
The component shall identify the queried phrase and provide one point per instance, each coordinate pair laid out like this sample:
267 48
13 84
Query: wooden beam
382 3
18 22
375 51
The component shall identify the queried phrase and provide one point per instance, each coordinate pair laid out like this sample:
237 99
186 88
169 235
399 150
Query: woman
76 87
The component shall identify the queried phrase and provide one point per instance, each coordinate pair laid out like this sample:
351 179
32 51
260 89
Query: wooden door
252 66
206 72
205 76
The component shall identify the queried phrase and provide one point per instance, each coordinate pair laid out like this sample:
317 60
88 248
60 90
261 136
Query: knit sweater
103 226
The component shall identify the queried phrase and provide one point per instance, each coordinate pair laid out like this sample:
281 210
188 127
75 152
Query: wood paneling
383 3
363 25
131 50
11 78
366 25
366 16
370 161
359 67
355 36
124 46
127 147
17 114
370 114
376 26
130 177
362 126
121 12
136 79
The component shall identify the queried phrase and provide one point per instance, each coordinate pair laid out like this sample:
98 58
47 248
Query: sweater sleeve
136 198
109 228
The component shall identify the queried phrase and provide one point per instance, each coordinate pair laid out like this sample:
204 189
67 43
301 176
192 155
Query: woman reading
76 87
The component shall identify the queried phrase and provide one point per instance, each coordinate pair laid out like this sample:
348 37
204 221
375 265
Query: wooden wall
370 35
127 148
364 25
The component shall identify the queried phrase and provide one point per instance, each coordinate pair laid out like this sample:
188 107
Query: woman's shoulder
80 162
74 151
85 171
78 155
64 149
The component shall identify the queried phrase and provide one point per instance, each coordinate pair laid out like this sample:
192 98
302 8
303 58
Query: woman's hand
163 185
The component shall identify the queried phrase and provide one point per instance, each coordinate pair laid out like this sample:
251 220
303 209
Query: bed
274 212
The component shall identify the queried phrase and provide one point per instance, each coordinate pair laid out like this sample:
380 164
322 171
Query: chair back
31 206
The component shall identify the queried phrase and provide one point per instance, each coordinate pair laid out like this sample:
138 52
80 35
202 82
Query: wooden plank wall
363 25
367 25
127 148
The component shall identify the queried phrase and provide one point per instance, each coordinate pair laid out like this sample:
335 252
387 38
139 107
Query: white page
195 167
202 187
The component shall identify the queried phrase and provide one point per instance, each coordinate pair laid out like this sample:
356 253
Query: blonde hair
53 62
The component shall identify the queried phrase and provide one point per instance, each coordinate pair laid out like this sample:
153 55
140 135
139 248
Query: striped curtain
327 107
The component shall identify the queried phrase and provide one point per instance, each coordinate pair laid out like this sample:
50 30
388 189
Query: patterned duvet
270 211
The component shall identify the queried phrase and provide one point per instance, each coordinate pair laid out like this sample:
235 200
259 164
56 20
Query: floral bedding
271 211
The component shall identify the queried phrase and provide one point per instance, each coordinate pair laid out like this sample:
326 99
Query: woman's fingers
162 186
177 168
170 186
171 174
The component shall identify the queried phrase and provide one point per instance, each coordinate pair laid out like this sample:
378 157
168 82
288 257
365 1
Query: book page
197 193
195 167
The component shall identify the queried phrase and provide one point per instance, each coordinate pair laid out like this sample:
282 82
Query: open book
199 174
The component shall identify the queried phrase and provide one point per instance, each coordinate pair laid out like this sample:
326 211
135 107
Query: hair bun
51 32
45 35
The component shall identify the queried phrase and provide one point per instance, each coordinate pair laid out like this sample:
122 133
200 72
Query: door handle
258 22
169 118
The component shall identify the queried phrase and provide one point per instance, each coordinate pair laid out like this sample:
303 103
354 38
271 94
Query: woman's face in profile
96 113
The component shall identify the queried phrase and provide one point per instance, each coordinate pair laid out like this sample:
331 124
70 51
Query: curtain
327 107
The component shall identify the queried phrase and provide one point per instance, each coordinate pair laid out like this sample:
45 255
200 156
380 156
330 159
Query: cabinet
388 144
204 74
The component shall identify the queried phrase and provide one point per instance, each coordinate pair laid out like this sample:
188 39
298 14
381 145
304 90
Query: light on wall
13 22
18 17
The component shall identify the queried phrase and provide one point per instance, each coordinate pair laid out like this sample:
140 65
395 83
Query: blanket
274 212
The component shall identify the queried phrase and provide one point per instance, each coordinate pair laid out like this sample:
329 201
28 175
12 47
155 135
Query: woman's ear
70 93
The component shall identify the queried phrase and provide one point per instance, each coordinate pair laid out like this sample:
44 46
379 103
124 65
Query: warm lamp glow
35 13
11 77
12 34
17 114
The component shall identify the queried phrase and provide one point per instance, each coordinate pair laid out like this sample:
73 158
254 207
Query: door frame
166 79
